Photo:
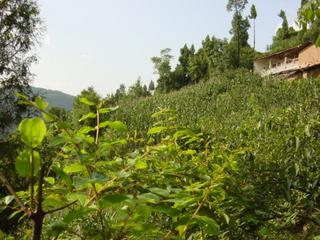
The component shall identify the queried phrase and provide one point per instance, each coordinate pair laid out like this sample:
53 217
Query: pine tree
253 15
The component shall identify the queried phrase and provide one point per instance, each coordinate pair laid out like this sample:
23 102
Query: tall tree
20 28
253 15
215 52
237 6
285 25
151 86
285 36
163 70
138 90
181 76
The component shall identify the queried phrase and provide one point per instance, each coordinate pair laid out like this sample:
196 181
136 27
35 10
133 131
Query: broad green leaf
156 130
53 201
148 198
40 103
82 198
172 212
209 225
86 101
87 116
104 110
110 200
107 110
66 178
78 213
116 125
86 129
23 163
33 131
50 180
58 140
8 199
159 191
48 117
85 182
74 168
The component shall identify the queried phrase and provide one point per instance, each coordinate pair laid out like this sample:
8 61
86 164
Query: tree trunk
37 222
254 34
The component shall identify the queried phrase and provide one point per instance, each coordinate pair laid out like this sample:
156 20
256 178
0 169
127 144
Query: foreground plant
98 182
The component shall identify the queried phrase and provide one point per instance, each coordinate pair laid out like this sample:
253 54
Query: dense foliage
19 32
251 172
277 123
232 157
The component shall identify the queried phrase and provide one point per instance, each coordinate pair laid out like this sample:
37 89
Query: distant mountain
55 98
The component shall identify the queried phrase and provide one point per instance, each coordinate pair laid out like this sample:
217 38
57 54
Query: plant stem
31 180
13 193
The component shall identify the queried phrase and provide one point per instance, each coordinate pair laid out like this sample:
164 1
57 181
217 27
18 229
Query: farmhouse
299 61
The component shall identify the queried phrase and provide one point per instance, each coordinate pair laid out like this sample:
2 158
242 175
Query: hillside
226 101
273 127
55 98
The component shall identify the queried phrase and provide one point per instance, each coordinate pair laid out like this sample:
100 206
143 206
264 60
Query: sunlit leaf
156 130
86 101
116 125
33 131
40 103
87 116
8 199
23 163
74 168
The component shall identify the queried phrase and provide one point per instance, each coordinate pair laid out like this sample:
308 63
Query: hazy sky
103 43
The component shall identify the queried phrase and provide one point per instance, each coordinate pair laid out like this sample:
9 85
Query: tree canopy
20 29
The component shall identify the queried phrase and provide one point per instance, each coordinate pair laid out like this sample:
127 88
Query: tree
285 36
151 86
20 26
215 52
120 93
137 90
253 15
163 69
198 67
285 25
239 25
186 54
309 18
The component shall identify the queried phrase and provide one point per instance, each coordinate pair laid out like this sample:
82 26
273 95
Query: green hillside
55 98
225 102
274 126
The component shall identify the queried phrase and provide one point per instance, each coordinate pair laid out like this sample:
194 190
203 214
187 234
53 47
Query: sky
105 43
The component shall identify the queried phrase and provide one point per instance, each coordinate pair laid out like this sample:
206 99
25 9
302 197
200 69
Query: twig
61 208
13 193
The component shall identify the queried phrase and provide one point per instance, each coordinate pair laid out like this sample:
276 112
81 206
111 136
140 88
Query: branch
61 208
13 193
40 189
31 184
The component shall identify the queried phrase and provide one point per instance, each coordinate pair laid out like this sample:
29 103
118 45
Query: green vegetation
19 31
228 156
249 168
